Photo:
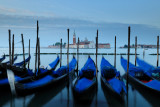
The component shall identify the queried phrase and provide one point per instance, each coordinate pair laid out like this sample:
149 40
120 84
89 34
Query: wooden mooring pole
61 53
12 50
77 55
135 51
36 49
68 52
128 60
29 53
39 56
23 52
115 53
157 51
9 31
143 53
68 68
96 53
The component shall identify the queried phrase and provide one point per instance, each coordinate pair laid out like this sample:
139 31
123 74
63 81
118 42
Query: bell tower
74 38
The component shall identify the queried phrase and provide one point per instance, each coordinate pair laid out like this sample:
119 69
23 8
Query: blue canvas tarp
107 69
54 63
82 84
64 69
149 69
110 74
133 70
5 80
48 78
39 82
89 67
117 85
86 75
22 62
154 84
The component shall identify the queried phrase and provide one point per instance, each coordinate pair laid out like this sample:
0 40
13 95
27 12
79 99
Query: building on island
86 44
103 45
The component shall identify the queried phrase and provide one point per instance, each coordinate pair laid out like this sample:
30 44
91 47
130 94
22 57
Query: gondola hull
87 94
108 87
136 83
21 91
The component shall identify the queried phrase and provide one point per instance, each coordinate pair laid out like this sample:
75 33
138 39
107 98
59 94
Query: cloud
7 10
23 12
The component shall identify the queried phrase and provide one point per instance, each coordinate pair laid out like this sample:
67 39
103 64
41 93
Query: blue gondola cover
22 62
86 75
110 74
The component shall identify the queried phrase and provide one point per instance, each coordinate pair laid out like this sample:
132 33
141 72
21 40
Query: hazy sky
111 17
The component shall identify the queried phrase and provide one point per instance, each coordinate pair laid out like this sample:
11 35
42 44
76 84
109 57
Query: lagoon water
61 96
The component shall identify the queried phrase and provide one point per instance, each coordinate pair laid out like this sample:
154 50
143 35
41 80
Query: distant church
86 44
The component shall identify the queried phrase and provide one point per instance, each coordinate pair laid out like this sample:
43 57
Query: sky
110 17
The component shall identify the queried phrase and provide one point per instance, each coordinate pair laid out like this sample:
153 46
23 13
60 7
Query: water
62 96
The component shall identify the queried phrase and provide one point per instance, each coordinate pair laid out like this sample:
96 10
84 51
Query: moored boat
138 77
111 80
85 85
19 64
4 83
50 80
149 69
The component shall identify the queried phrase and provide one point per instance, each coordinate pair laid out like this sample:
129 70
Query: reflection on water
61 95
4 97
87 99
41 98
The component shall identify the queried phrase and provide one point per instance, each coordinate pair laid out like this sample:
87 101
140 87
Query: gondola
18 68
50 80
139 78
85 84
4 84
3 58
14 59
149 69
112 101
111 80
3 67
19 64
